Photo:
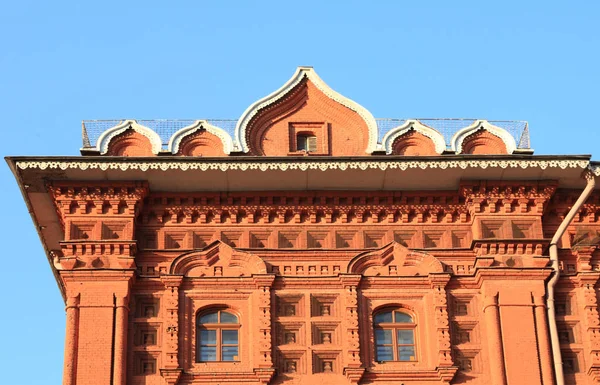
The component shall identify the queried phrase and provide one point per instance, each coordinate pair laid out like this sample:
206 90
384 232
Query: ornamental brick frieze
298 209
564 199
79 199
98 223
490 197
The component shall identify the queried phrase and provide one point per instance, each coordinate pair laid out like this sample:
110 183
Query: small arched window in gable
306 142
394 336
217 336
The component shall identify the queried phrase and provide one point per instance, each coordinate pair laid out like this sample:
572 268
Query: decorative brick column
438 283
120 350
70 365
492 319
445 364
171 369
591 323
352 369
265 370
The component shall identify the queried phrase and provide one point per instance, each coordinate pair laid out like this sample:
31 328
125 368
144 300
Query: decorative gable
306 111
218 260
394 260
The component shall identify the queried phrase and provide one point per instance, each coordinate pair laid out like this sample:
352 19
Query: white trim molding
178 136
299 75
458 138
108 135
227 165
390 137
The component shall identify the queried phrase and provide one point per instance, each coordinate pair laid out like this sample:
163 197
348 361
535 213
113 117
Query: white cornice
301 73
105 138
458 138
178 136
411 124
343 165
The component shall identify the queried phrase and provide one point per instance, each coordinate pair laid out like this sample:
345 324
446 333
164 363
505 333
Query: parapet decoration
395 135
305 117
345 120
104 141
483 137
179 138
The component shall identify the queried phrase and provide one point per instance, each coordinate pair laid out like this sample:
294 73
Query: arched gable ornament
217 259
390 137
108 135
459 137
178 136
383 261
299 75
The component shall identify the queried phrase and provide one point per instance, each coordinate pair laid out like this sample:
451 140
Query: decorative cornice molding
323 165
412 124
105 138
178 136
458 138
299 75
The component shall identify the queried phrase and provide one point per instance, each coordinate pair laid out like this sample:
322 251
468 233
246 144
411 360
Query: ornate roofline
323 165
178 136
108 135
301 73
412 124
458 138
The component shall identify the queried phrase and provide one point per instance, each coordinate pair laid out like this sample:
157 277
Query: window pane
301 142
385 353
208 337
229 353
383 317
228 318
208 353
403 318
406 353
383 337
406 337
209 318
229 337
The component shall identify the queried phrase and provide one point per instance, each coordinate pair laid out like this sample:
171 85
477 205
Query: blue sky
62 62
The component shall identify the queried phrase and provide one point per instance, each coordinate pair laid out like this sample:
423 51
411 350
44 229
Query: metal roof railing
165 128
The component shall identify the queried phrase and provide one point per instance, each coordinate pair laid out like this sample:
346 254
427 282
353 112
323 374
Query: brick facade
170 279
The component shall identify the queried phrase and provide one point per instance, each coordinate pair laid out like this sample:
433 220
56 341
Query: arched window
306 142
394 336
217 336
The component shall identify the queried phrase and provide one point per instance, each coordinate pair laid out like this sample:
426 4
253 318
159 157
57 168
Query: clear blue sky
61 62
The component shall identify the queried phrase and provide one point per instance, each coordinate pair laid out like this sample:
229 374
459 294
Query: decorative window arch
394 329
217 336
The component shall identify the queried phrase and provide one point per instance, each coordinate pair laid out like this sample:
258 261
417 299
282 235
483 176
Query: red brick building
308 242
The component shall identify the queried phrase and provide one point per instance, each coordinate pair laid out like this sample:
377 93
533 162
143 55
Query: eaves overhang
241 173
